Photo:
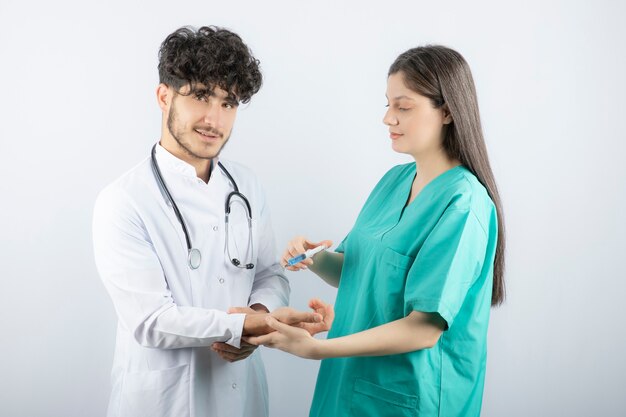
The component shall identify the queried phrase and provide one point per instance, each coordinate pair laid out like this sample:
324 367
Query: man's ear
164 96
447 116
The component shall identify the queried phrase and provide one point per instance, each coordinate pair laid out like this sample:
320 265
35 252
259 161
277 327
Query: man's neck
203 167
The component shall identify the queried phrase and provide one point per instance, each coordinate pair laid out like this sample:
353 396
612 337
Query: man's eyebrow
210 92
202 91
232 99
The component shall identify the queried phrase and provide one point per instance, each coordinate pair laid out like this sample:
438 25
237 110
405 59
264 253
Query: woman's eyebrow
401 98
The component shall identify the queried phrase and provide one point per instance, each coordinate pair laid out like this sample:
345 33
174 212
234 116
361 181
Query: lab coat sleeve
131 272
270 286
446 266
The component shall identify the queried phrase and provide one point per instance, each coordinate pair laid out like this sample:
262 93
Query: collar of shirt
172 163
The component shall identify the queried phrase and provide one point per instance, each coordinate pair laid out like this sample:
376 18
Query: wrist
318 349
259 308
255 325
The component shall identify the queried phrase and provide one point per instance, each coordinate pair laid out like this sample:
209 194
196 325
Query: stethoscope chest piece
194 258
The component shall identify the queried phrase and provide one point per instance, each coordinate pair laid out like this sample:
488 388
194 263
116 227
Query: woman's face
415 126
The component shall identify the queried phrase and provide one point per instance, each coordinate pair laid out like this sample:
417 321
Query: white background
77 109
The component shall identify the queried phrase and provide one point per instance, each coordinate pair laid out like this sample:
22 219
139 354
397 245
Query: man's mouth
208 134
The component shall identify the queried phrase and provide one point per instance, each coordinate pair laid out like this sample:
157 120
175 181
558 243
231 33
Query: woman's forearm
415 332
328 265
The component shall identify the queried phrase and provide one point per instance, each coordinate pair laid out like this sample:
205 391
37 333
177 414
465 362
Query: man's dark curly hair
212 56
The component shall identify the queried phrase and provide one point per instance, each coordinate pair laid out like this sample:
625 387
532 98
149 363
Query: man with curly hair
185 284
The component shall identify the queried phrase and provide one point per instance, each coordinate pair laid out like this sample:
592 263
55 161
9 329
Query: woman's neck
432 164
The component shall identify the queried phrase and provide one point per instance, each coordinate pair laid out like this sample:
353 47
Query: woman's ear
447 116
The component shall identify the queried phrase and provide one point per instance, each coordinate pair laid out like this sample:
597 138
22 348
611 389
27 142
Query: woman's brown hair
443 75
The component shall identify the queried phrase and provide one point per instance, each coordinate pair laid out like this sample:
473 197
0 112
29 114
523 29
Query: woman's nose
389 119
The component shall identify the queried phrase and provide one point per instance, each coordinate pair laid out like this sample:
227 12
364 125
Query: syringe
305 255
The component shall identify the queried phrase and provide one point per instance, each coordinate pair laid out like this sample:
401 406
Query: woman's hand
328 315
294 340
297 246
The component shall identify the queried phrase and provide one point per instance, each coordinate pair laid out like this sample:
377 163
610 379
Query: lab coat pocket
158 393
370 399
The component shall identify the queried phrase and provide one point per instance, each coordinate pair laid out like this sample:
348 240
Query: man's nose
212 113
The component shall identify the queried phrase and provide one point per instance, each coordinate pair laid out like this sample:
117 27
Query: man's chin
206 151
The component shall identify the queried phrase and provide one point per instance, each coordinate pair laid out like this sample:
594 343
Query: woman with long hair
421 267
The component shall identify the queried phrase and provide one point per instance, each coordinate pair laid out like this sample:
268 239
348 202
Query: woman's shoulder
464 191
388 184
398 171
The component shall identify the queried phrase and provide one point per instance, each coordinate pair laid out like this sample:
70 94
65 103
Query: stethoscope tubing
194 256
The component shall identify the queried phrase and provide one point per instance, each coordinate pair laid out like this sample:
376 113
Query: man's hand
328 315
255 323
232 354
258 307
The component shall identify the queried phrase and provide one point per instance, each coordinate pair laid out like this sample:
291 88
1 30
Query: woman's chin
398 147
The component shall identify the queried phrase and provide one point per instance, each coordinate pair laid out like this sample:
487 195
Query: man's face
201 121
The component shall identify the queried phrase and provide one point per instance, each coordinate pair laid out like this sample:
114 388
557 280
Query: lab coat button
221 280
215 228
234 386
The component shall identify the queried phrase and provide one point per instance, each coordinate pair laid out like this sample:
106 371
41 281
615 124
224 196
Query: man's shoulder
128 186
237 169
244 176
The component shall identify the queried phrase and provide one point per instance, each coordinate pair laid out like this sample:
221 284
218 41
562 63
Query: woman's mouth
394 136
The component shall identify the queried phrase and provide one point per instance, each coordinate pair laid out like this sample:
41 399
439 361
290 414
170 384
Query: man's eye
201 97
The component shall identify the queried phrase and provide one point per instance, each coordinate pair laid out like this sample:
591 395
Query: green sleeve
341 247
447 265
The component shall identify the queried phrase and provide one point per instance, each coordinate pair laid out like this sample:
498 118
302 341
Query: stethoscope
194 256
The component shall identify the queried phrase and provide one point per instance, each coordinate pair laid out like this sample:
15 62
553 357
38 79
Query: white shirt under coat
168 314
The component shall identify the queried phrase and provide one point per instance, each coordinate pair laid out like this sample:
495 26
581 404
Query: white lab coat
168 314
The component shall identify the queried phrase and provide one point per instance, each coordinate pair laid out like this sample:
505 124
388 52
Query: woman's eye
228 105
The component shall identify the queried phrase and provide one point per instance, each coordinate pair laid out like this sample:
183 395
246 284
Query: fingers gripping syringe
308 254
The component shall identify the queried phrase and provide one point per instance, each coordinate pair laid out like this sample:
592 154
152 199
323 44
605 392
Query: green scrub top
436 256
